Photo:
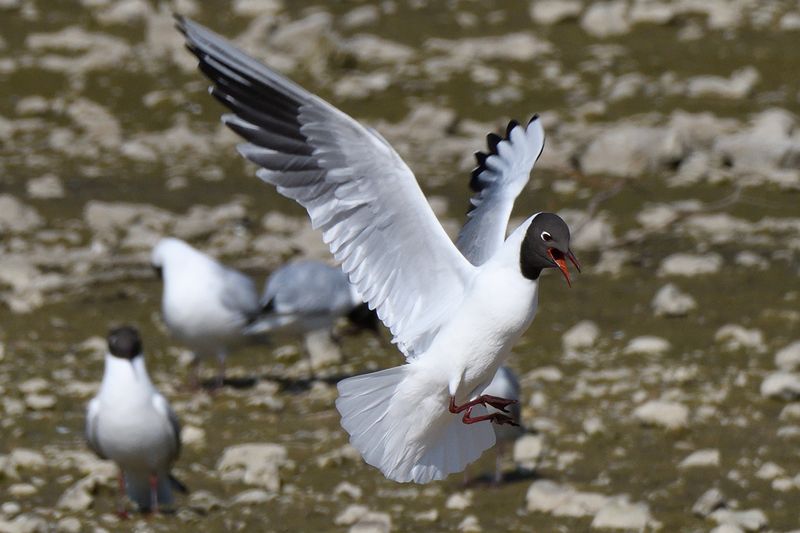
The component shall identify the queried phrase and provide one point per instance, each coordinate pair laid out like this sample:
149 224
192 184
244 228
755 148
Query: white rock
69 524
581 336
734 337
459 501
750 520
788 357
790 412
193 436
79 496
372 522
727 528
656 216
781 385
253 497
769 470
652 12
683 264
554 11
361 16
671 301
701 458
750 259
604 19
348 489
351 514
629 150
470 524
24 523
45 187
254 464
790 22
561 500
708 502
620 514
27 459
647 345
16 217
738 86
40 402
528 451
669 415
22 490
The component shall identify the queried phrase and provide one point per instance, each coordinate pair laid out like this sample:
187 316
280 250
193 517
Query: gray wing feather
306 288
500 176
240 294
355 187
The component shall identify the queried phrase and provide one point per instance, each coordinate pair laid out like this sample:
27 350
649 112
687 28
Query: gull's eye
546 237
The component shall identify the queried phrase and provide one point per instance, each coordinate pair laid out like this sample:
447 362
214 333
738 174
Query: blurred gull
306 298
205 304
455 317
505 385
130 423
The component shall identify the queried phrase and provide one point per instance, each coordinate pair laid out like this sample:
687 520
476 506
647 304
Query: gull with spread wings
454 310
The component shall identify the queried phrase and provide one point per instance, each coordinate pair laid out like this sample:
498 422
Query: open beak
560 259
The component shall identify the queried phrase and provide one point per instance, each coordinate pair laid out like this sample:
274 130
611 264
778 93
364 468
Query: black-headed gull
205 304
306 297
455 321
130 423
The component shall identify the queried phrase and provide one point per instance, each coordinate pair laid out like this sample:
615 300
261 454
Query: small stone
670 301
16 217
790 412
710 501
252 497
431 515
33 386
593 426
45 187
788 358
10 509
348 489
727 528
69 525
734 337
669 415
27 459
554 11
769 470
204 502
581 336
372 522
22 490
351 514
647 345
193 436
254 464
459 501
782 386
750 520
689 265
528 451
701 458
40 402
605 19
79 496
470 524
620 514
25 523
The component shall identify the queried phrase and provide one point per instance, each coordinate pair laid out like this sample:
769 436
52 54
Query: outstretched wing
498 179
356 188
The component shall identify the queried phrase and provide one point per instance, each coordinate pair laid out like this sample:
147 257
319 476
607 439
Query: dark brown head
546 245
124 342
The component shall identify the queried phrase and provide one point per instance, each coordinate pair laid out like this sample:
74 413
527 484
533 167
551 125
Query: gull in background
205 304
505 385
455 318
130 423
306 298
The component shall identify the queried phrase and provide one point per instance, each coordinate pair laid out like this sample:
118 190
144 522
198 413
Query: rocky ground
660 392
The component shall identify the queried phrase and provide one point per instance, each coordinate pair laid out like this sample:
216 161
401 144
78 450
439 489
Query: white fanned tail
408 439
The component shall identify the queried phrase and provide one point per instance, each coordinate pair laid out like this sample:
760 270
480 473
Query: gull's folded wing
356 189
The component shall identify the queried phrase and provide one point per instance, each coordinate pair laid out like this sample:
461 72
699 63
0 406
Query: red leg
122 510
153 493
497 402
497 418
494 401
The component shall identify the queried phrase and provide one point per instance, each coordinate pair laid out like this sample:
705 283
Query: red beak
561 260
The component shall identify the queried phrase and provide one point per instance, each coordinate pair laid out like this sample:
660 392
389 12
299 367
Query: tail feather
400 425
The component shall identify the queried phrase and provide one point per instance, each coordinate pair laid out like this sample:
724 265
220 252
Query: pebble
45 187
708 502
647 345
204 502
669 415
252 497
734 337
254 464
554 11
79 496
581 336
788 357
701 458
528 451
459 501
69 524
16 217
621 514
40 402
670 301
24 523
22 490
782 386
689 265
750 520
562 500
193 436
606 19
27 459
348 489
470 524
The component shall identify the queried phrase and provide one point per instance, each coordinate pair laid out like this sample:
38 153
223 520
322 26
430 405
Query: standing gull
130 423
205 304
306 298
454 321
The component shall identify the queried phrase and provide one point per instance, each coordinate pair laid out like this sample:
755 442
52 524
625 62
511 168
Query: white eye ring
546 236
